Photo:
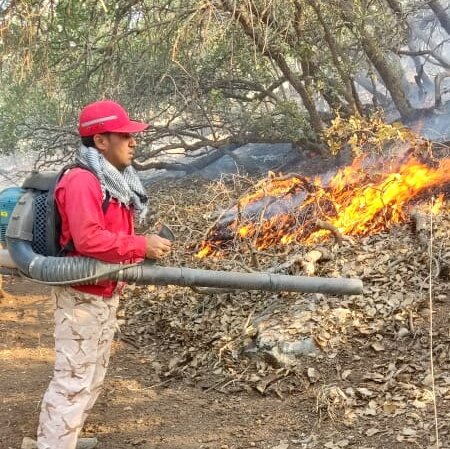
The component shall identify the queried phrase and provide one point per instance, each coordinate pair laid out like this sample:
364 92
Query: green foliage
190 62
285 121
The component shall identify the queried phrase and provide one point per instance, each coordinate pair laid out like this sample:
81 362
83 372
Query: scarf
125 186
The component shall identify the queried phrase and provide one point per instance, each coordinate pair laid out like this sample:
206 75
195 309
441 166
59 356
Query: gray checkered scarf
124 185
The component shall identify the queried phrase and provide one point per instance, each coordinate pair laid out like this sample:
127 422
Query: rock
303 347
281 339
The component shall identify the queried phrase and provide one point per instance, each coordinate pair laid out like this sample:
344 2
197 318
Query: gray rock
275 342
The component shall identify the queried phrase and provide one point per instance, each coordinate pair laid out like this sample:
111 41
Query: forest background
212 75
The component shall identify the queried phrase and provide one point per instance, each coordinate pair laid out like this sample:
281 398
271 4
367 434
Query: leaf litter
373 350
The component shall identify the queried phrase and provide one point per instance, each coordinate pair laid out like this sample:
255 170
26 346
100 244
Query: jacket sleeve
80 201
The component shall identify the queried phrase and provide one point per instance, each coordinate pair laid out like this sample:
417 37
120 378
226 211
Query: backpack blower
29 229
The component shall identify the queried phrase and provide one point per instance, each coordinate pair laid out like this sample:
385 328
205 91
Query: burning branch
329 227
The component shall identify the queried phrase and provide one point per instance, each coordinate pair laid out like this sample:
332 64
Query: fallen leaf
281 446
377 347
365 392
345 374
313 375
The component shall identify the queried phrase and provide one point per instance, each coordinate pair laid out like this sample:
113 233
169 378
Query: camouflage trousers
84 330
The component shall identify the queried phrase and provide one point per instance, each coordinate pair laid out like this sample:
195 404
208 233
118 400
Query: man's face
118 148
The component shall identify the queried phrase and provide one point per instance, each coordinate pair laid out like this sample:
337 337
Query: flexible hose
59 270
80 281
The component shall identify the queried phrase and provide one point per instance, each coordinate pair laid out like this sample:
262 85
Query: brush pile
360 355
206 332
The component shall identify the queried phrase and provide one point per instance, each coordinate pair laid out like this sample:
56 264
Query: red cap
107 116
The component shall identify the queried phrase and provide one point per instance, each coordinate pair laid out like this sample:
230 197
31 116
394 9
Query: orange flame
355 202
362 216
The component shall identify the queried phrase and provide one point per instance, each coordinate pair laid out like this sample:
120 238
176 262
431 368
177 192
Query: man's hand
157 247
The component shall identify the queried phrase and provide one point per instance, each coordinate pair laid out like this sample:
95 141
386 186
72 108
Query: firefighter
85 316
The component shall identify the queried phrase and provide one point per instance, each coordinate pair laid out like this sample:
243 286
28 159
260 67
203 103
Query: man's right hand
157 247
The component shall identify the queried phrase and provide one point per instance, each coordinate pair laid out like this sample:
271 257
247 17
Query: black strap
105 203
69 247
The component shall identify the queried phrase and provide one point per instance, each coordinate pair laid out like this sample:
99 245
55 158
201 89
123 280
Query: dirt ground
133 412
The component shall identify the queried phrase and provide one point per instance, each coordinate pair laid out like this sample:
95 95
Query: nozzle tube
190 277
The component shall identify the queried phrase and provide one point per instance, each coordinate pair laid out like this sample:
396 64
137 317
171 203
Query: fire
362 216
357 201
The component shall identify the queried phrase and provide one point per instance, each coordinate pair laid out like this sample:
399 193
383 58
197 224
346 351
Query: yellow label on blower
3 213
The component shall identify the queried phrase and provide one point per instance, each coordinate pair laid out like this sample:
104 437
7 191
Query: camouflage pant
84 329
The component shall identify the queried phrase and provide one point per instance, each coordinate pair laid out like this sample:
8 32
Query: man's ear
101 142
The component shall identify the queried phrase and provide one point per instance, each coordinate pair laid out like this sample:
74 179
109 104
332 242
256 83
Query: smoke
14 169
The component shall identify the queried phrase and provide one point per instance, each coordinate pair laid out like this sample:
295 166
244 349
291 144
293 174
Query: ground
133 412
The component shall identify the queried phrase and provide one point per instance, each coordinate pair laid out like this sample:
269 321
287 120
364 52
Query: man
85 316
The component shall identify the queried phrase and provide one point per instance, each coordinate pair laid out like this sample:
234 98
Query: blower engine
8 201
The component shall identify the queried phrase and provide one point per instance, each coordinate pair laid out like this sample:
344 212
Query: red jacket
107 237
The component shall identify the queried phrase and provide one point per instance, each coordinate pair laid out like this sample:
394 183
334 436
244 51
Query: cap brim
132 127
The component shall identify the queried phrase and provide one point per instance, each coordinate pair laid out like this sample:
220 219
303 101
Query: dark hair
88 141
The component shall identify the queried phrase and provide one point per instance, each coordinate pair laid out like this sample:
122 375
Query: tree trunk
441 14
377 97
421 78
437 87
390 73
297 84
330 94
276 56
193 165
331 90
336 56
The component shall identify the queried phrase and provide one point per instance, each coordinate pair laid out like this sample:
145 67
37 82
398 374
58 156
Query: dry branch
307 262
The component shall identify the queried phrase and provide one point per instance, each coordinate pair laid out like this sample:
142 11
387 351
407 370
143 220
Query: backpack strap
105 203
69 247
53 217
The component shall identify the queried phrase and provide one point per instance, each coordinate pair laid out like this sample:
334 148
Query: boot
82 443
86 443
